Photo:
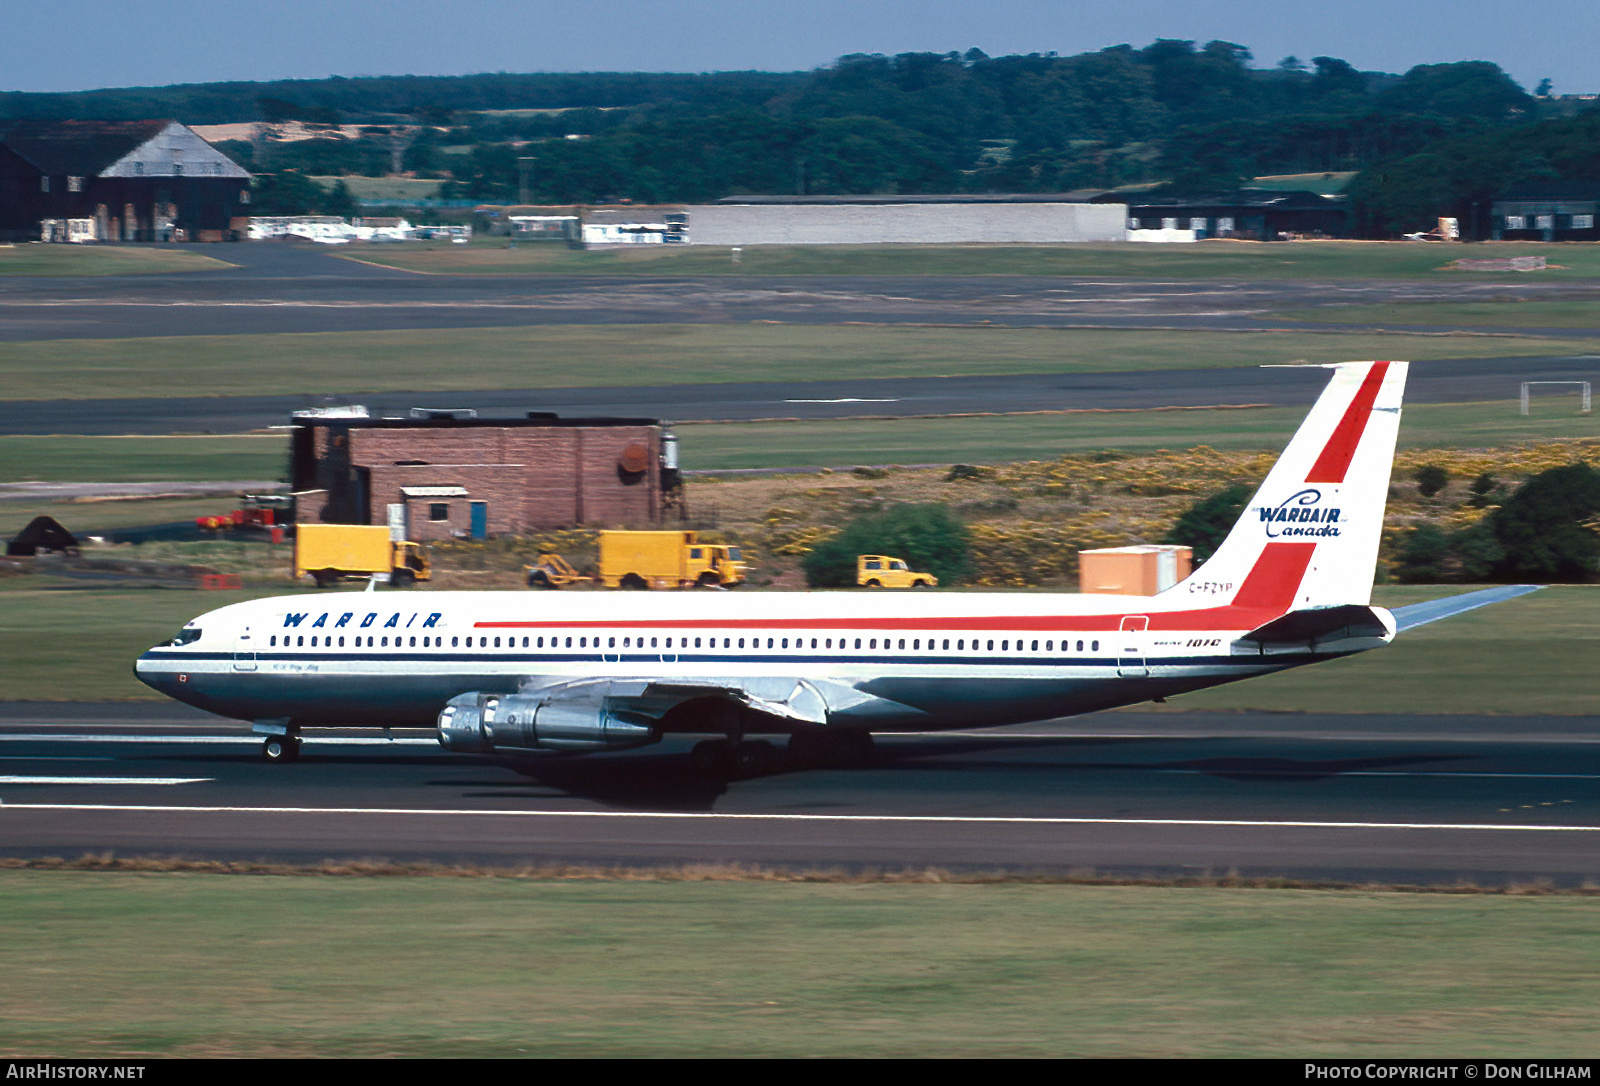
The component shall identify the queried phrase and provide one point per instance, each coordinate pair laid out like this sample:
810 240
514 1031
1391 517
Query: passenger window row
636 643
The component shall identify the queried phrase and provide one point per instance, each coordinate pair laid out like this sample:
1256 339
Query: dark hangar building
116 181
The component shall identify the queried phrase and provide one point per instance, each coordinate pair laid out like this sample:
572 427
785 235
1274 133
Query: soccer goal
1584 386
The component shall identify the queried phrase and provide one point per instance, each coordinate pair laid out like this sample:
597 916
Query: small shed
1133 571
42 534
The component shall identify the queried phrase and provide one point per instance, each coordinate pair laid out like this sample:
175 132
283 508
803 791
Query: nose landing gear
281 743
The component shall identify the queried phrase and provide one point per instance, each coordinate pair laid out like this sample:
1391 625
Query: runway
309 289
278 286
1424 800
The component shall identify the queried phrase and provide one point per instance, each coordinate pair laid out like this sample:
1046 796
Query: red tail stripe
1274 580
1346 437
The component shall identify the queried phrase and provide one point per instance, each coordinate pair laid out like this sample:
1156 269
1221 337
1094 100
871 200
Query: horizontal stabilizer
1349 620
1420 614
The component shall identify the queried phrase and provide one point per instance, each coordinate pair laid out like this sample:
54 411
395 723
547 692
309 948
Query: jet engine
574 719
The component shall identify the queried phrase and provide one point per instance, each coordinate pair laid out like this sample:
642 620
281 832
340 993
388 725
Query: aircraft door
1131 641
244 652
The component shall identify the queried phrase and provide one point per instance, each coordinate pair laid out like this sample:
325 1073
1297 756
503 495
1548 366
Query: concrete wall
940 224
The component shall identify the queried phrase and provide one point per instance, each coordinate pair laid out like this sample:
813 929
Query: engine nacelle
568 719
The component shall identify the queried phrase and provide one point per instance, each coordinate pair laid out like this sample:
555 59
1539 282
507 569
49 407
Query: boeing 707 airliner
521 671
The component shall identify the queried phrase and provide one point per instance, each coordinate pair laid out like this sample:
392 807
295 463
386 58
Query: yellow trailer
552 571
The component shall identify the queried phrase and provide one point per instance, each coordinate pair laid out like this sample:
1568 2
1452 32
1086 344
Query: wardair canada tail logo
1300 516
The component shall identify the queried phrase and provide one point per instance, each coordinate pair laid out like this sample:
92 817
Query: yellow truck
882 571
666 560
330 553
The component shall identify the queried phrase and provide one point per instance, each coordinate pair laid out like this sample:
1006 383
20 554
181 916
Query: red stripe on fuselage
1346 437
1268 591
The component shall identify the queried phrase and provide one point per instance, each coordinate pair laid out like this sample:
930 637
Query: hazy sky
83 44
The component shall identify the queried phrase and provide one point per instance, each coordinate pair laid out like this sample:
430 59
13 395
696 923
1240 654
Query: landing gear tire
714 758
280 748
754 757
854 746
841 748
809 750
722 760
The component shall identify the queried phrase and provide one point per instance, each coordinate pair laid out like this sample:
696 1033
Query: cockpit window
187 635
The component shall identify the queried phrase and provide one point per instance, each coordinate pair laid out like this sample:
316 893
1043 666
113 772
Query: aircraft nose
148 671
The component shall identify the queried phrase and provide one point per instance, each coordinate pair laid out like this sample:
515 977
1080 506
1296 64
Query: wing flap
804 701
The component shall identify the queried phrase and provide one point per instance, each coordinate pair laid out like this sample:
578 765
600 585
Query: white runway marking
847 399
909 819
103 780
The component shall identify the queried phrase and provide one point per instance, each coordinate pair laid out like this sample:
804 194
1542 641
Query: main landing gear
813 748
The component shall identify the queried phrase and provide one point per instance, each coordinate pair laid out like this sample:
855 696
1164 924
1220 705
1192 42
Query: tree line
1200 117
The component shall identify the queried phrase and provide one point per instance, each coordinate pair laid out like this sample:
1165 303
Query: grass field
1512 313
1531 655
83 518
53 260
383 188
169 965
1206 260
1326 184
1003 438
979 439
567 356
195 457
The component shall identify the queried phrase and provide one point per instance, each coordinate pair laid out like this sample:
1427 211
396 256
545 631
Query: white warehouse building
919 220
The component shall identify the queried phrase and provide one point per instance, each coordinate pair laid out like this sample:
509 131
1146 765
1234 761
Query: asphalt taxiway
1408 799
268 288
1462 380
271 288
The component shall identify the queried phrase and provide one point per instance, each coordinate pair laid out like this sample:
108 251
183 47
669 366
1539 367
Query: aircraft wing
1413 615
803 701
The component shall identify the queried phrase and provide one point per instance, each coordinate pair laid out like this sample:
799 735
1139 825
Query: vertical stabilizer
1309 537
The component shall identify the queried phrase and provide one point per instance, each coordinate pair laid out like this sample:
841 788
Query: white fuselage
925 660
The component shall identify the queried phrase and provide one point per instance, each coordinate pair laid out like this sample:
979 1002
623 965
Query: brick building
449 474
